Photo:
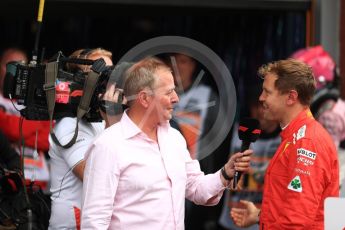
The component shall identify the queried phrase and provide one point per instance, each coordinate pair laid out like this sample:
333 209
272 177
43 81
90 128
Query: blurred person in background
196 113
193 112
333 119
9 55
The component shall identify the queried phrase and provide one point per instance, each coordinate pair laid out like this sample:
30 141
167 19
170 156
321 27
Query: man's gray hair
141 76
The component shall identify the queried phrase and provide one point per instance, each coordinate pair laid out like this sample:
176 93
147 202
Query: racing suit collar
296 123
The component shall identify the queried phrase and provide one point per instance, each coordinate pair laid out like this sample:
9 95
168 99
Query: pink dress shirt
132 182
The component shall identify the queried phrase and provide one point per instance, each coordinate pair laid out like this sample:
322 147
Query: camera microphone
248 132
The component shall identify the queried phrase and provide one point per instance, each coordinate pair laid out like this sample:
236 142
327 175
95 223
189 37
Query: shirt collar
130 129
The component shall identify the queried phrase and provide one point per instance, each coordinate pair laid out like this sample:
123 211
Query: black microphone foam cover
249 130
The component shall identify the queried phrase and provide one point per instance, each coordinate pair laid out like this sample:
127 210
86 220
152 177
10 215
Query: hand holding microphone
248 132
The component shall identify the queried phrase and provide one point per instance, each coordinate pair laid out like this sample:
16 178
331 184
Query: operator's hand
112 97
247 216
238 162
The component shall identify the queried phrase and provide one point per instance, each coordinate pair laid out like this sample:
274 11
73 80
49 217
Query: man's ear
144 99
292 97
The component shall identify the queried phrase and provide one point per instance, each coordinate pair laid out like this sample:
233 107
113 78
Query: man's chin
163 122
166 118
267 116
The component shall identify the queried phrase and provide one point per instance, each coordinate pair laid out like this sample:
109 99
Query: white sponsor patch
295 184
305 161
306 153
301 132
301 171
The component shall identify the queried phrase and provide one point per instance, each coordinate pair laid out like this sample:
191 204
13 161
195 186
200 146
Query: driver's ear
292 97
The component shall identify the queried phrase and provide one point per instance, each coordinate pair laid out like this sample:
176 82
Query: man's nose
261 98
175 98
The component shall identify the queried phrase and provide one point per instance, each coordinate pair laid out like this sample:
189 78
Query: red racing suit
302 173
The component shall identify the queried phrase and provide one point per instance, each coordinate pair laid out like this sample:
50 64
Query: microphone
248 132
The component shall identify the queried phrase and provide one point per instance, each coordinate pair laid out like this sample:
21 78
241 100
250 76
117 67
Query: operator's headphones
85 53
76 68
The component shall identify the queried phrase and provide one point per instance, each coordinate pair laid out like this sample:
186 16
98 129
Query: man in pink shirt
138 172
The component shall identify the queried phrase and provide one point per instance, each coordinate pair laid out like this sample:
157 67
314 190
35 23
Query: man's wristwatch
226 176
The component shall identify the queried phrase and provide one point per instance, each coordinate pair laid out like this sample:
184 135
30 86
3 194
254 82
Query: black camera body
25 84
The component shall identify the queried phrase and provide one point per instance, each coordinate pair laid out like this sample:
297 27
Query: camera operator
67 164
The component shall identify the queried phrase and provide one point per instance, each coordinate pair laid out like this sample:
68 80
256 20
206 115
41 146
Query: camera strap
49 87
89 88
84 104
